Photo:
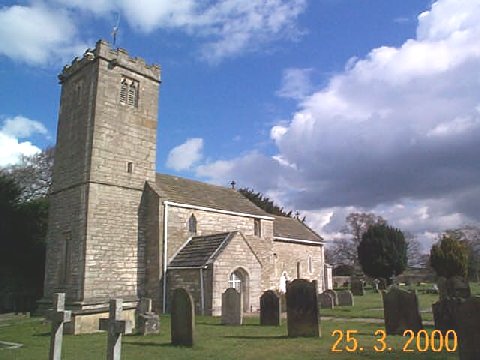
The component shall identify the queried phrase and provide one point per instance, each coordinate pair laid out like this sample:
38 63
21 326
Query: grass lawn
215 341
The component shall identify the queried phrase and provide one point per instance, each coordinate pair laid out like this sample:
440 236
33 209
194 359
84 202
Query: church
118 229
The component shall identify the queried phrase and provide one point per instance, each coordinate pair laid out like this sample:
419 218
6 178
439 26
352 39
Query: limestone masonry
117 229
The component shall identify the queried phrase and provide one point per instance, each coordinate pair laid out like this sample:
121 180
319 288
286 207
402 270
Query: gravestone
400 309
302 308
232 306
458 287
147 321
115 327
345 298
442 287
325 301
469 329
357 287
183 318
58 316
269 309
445 314
334 296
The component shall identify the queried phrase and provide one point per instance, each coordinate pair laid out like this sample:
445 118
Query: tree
414 251
343 270
382 252
345 248
33 174
449 257
263 202
470 236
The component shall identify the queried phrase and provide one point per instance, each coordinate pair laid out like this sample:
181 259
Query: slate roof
288 227
200 249
186 191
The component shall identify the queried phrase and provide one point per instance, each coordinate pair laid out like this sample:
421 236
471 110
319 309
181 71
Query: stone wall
286 257
237 254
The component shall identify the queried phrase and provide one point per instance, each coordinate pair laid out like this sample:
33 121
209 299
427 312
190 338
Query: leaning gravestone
269 309
357 287
147 321
232 313
58 316
115 327
334 296
469 329
325 301
345 298
302 308
400 309
183 318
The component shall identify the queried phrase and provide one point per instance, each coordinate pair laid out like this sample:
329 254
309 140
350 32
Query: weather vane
115 30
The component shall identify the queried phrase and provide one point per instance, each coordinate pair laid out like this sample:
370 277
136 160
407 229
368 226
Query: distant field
214 341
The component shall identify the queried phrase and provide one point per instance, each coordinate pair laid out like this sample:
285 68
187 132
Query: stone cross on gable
115 328
58 316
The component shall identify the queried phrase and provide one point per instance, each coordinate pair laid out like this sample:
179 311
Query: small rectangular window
257 228
66 257
129 92
129 167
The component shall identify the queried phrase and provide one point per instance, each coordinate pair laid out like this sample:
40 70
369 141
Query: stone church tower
105 152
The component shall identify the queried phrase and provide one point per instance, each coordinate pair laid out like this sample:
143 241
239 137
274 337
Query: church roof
186 191
201 250
287 227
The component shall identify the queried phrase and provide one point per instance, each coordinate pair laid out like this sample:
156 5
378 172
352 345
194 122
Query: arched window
123 91
192 225
132 94
129 92
257 227
310 264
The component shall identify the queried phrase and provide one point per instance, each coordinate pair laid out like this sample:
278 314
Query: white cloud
396 133
183 156
296 84
13 129
37 34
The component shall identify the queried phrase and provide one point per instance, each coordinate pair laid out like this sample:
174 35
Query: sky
326 106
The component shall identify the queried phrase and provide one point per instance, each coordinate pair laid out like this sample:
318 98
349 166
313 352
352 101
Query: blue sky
327 106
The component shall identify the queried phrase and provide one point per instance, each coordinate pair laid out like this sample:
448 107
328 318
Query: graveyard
216 338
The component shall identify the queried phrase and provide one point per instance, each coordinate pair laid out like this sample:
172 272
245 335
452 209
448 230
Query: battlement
118 57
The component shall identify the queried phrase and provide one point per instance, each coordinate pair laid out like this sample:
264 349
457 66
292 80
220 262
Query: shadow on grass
149 343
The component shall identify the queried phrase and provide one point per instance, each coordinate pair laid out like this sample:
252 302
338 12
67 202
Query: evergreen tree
382 252
449 257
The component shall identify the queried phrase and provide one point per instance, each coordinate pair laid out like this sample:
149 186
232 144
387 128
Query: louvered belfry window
129 92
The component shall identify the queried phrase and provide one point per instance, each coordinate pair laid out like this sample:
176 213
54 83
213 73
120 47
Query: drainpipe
202 295
165 249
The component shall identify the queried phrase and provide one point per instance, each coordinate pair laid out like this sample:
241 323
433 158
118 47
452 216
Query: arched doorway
238 280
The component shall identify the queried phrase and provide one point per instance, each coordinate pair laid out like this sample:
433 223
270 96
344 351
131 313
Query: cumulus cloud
183 156
396 132
14 129
296 84
37 34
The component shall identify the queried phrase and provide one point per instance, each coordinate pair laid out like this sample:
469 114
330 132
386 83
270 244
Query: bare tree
33 174
414 250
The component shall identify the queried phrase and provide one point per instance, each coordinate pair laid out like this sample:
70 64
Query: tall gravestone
469 329
302 308
345 298
115 327
183 318
232 306
356 287
269 309
147 321
325 301
58 316
401 311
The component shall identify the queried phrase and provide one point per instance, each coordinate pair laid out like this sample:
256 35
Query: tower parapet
115 57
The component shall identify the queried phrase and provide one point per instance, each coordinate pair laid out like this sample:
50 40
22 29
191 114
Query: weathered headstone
357 287
232 306
183 318
445 314
334 296
115 327
269 309
325 301
302 308
442 287
345 298
400 309
58 316
458 287
469 329
147 321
